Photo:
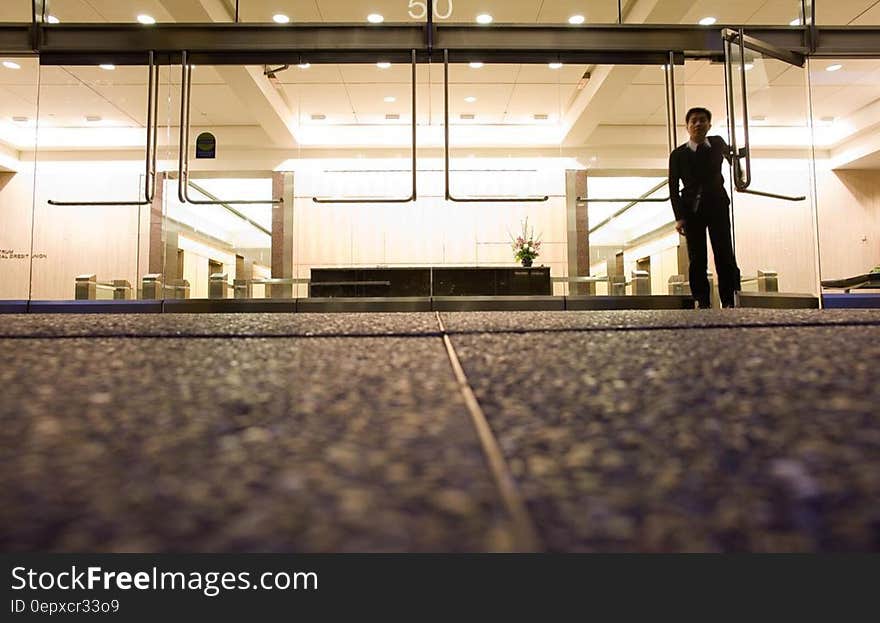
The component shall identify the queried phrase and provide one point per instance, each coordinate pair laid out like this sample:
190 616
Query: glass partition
19 90
146 12
846 104
773 208
15 11
95 187
294 11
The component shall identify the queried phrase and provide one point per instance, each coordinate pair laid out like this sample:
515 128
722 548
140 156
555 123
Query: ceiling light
470 99
93 118
555 65
107 67
375 18
795 22
318 117
390 99
304 65
469 116
20 119
707 21
484 18
383 65
749 66
540 117
52 19
11 65
146 19
392 117
833 67
475 65
576 19
280 18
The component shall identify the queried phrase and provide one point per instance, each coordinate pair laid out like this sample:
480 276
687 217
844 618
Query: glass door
771 146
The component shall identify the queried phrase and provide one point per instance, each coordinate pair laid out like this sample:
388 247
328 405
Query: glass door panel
217 226
773 214
19 90
94 182
846 104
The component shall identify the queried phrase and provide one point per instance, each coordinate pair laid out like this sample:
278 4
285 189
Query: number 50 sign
418 10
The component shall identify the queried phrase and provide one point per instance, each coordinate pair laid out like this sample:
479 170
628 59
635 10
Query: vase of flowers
526 245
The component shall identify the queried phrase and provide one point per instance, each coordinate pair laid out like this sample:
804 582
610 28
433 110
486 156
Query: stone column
578 230
282 234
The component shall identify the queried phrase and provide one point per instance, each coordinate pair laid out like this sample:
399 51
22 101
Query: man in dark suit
703 204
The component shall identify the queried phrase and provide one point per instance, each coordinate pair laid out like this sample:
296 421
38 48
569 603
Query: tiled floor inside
727 430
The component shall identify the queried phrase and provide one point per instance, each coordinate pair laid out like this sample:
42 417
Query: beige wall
849 222
16 202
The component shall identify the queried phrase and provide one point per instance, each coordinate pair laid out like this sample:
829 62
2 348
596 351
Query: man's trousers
715 217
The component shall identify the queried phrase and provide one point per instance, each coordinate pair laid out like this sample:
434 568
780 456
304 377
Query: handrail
413 195
232 210
632 203
151 147
183 153
743 179
449 196
671 124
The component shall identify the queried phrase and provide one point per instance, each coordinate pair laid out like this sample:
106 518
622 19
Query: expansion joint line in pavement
525 535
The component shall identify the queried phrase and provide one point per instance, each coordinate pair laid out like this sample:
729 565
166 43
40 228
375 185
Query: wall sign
206 146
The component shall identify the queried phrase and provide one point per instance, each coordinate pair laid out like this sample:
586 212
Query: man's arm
725 149
674 192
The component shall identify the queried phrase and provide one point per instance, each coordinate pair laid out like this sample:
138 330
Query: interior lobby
260 288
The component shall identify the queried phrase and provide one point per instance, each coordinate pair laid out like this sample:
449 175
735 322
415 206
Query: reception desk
431 281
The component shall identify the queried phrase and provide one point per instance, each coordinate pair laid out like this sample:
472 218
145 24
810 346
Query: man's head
698 121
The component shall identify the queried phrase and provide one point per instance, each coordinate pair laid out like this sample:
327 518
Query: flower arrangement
526 245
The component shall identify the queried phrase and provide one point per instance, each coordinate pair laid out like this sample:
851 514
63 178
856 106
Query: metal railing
742 177
152 140
413 194
449 195
183 155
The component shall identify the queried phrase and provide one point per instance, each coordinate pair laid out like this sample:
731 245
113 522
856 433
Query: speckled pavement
728 430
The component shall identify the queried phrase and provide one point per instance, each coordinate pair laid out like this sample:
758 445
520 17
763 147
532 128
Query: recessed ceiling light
93 118
280 18
707 21
795 22
540 117
484 18
375 18
304 65
20 119
11 65
475 65
576 19
390 99
468 116
833 67
146 19
749 66
52 19
107 67
318 117
555 65
392 117
470 99
383 65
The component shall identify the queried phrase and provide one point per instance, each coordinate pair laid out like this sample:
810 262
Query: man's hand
679 227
